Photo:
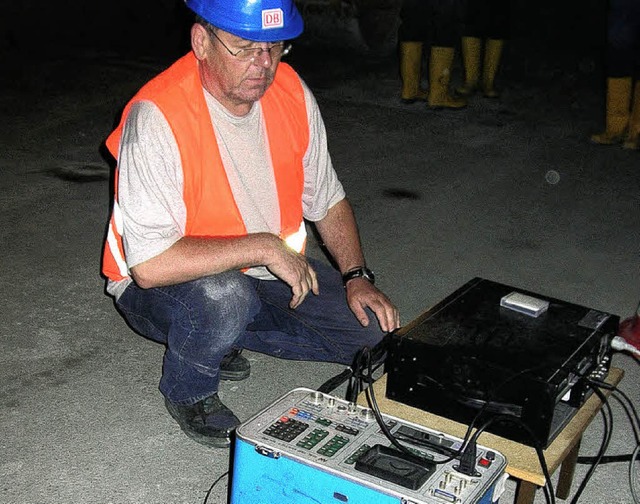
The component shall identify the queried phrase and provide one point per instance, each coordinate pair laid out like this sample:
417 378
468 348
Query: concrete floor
509 190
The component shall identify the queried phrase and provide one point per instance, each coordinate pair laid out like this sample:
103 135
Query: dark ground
509 190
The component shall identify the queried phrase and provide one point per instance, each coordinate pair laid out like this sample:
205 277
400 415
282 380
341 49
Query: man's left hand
363 294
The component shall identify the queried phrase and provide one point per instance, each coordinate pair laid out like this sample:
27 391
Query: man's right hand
293 269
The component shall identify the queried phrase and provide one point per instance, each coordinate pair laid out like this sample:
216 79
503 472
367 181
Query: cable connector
468 459
619 344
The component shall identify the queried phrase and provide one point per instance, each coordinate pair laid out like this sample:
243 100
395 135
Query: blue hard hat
258 20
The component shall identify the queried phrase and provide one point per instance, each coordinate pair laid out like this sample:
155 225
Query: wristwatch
360 272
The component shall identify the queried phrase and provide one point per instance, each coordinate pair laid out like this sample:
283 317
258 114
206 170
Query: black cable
631 412
632 476
548 490
334 382
607 459
363 361
357 378
373 404
606 438
206 498
633 418
383 426
353 373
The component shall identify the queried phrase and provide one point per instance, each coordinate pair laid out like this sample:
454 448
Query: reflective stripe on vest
211 208
297 240
114 240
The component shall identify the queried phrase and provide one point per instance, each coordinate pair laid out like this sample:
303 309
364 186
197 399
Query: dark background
556 50
548 29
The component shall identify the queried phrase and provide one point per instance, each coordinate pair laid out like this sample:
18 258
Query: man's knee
212 319
226 300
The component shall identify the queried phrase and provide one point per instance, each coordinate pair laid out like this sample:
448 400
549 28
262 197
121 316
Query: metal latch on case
267 452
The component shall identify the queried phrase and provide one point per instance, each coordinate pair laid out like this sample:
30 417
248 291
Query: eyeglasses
276 50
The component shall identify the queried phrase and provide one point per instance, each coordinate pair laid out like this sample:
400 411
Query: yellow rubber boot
410 71
617 116
471 51
492 55
439 78
633 135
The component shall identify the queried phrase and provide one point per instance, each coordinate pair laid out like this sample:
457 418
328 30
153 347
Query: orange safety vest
211 207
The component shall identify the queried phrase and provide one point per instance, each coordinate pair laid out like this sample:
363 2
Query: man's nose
264 58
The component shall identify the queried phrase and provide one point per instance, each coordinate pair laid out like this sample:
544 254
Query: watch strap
360 272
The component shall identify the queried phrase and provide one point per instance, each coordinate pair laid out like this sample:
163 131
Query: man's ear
199 41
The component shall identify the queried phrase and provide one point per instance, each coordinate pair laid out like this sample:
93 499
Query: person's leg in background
633 135
471 45
445 22
622 49
486 27
411 41
498 29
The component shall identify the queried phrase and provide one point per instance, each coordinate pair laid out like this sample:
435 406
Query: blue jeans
203 320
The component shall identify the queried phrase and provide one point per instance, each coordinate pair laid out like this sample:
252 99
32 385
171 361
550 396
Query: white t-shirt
150 187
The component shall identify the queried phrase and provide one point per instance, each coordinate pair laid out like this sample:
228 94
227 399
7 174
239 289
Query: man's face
235 71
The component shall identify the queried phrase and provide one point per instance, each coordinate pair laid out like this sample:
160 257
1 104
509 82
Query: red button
484 462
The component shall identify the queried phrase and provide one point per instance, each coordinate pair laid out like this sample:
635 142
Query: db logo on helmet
272 18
